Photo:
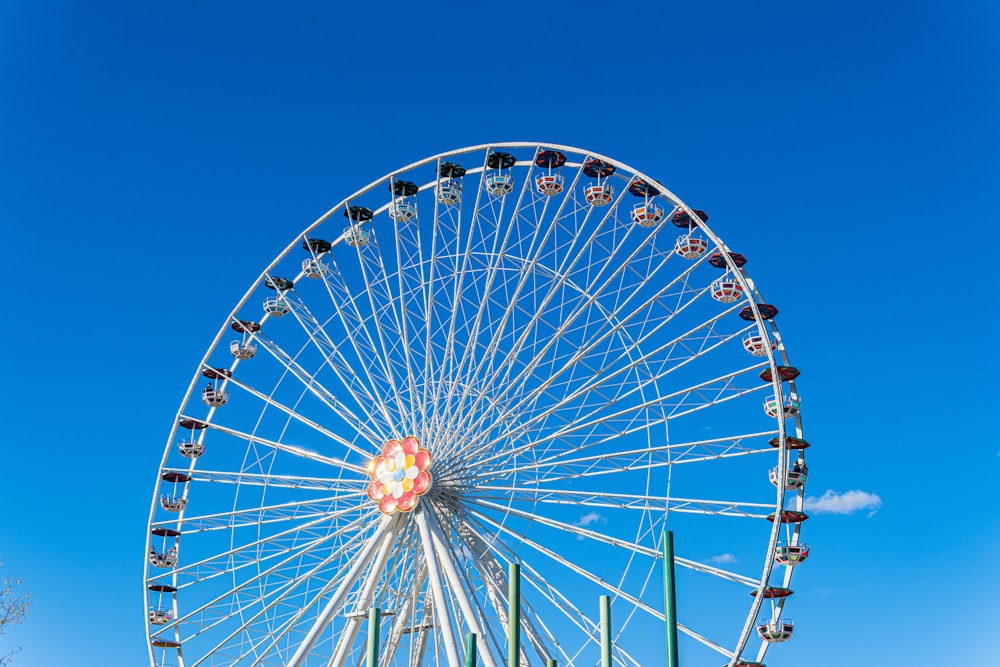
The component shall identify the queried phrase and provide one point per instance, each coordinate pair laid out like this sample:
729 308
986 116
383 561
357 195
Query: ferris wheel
514 353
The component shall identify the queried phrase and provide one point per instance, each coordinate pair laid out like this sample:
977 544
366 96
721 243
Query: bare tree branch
13 608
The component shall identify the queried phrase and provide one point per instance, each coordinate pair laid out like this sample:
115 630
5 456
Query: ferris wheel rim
764 326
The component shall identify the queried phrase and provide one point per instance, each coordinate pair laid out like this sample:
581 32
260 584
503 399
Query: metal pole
514 615
374 620
605 631
669 597
551 662
470 649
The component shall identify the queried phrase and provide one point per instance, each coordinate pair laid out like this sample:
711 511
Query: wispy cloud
589 519
847 502
723 559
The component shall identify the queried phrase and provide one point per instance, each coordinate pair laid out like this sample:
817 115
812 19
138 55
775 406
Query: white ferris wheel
514 353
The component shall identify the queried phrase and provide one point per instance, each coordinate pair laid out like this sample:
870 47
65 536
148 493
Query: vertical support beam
514 615
470 649
374 620
605 631
669 597
446 562
442 615
361 559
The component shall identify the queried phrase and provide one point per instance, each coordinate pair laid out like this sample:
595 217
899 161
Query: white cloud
847 502
723 559
589 519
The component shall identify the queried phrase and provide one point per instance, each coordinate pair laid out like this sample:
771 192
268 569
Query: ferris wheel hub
399 475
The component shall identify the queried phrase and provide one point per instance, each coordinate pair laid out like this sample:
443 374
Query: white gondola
214 398
163 560
646 214
356 237
276 306
499 185
191 449
402 211
727 290
791 554
172 503
791 406
242 350
794 478
599 195
756 345
549 184
313 268
449 193
159 616
690 247
776 631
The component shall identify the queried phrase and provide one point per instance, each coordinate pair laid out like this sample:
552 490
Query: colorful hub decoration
399 475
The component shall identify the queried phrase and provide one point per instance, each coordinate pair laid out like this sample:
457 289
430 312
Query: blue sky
153 160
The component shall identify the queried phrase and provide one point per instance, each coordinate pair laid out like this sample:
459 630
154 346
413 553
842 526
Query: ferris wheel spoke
251 553
224 601
705 394
411 289
588 290
346 311
483 300
564 562
388 330
445 229
366 428
631 599
291 412
485 218
633 502
598 382
512 303
534 493
569 464
257 479
456 277
291 449
373 389
708 341
603 381
253 516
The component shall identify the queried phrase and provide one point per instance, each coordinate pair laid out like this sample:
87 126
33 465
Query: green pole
470 649
551 662
514 615
374 619
669 597
605 631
